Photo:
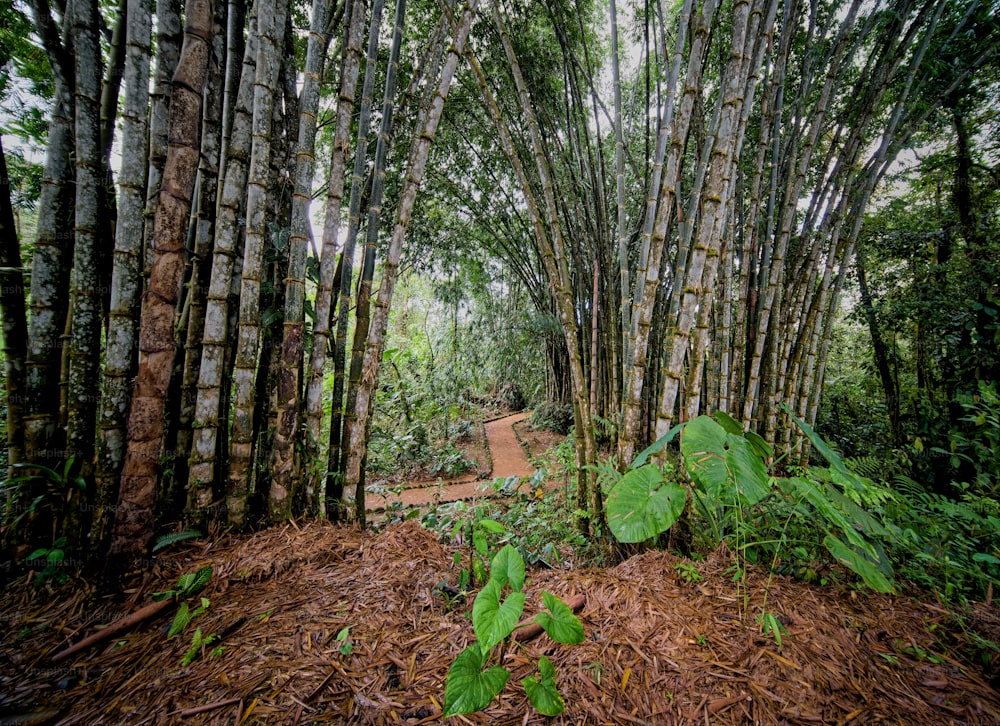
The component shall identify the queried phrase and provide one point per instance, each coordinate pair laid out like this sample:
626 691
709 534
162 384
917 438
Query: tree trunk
120 352
51 261
204 471
352 415
15 323
134 518
283 471
199 277
335 481
419 151
85 313
270 29
328 256
649 279
168 48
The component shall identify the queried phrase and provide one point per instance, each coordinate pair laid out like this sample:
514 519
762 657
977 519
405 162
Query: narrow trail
508 459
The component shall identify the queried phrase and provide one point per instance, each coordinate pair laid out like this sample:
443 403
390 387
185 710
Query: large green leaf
469 688
560 622
643 456
859 563
492 526
508 566
731 425
838 470
703 446
747 470
492 621
542 692
642 505
818 498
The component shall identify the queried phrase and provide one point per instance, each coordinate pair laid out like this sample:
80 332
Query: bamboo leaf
860 564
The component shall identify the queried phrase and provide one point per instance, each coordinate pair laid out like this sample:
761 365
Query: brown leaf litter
659 649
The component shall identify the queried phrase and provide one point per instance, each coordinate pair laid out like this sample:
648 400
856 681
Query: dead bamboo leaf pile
660 649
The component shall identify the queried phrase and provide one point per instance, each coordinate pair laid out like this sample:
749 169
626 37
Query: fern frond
174 537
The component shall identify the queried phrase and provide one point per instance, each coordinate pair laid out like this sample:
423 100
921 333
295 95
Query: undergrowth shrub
555 417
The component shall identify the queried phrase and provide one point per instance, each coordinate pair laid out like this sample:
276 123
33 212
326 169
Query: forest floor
668 640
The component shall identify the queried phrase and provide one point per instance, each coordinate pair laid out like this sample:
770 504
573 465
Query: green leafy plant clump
472 683
730 477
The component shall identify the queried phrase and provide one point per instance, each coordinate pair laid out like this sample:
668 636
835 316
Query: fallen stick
533 630
194 711
717 705
119 626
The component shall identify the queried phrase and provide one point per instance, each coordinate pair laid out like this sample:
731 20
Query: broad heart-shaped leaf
642 505
703 446
542 691
469 688
492 621
747 470
643 456
560 622
731 425
508 566
758 444
857 561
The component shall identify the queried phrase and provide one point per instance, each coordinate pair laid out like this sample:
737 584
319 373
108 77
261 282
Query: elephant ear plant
471 685
730 478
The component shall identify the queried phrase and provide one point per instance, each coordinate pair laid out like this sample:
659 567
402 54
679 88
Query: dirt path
508 458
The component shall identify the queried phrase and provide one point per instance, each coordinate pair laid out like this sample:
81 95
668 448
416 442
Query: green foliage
555 417
542 692
198 644
346 644
38 493
470 685
688 572
560 623
950 547
643 504
173 538
52 562
770 625
184 615
734 493
188 585
977 443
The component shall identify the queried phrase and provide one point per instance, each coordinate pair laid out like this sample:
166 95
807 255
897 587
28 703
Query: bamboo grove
682 192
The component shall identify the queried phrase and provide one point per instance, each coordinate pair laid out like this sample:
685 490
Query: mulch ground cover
665 644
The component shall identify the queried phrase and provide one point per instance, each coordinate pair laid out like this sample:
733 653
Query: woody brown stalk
137 495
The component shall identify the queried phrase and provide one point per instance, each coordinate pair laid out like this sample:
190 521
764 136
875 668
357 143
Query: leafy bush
947 546
555 417
732 488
